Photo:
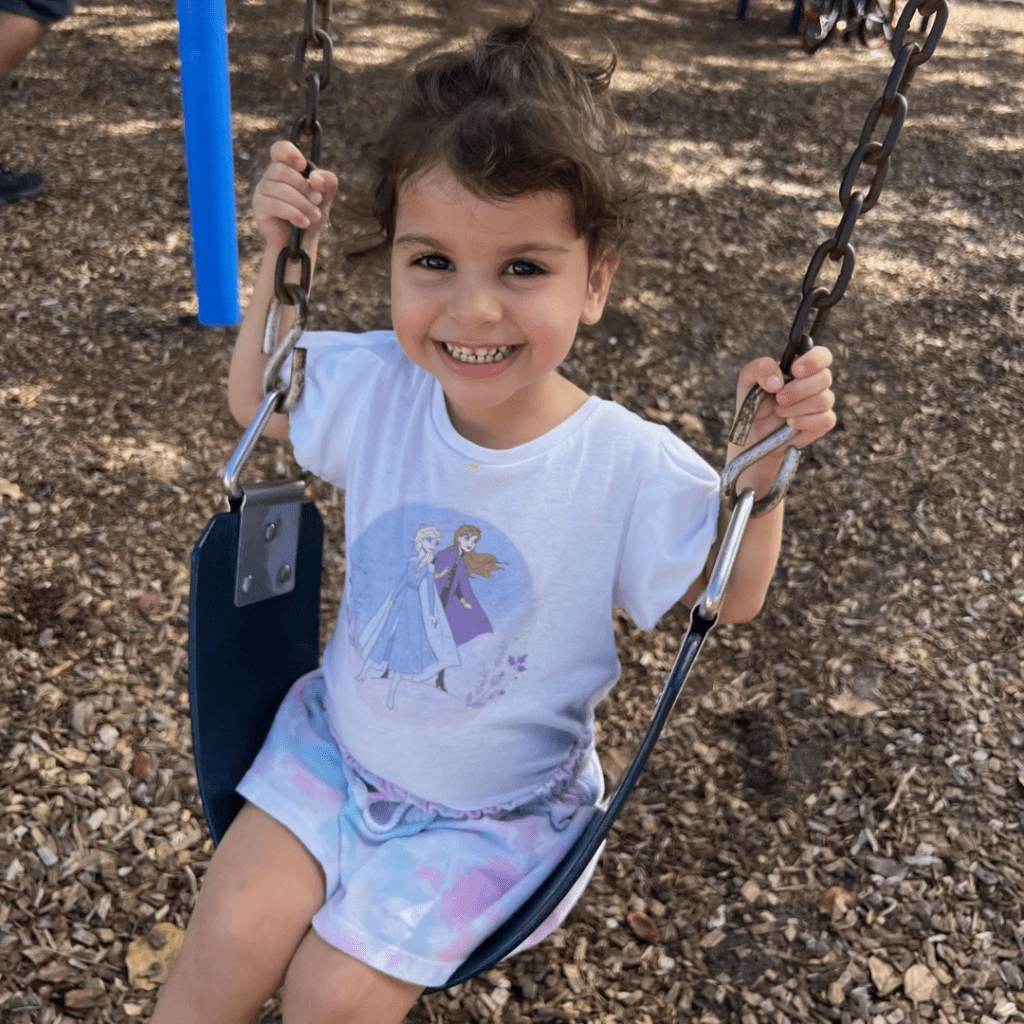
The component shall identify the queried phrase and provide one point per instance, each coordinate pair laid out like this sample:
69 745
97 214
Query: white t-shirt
466 671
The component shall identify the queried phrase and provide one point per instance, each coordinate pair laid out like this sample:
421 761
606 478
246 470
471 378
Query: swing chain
817 300
870 152
279 396
315 35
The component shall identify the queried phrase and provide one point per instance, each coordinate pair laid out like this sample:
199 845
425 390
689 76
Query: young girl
388 830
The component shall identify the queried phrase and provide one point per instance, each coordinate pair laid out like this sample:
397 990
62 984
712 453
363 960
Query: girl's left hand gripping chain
805 403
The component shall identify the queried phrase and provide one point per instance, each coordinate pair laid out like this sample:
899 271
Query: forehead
436 194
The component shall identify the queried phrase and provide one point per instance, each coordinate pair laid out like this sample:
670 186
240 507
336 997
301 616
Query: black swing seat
254 629
242 659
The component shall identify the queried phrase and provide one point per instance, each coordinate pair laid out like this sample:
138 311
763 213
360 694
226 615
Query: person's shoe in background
18 186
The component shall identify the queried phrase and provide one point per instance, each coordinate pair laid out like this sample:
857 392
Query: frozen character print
408 637
453 568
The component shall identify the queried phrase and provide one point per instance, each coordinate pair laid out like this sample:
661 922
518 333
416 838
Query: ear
599 283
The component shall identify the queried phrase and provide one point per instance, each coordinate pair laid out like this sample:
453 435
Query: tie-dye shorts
412 887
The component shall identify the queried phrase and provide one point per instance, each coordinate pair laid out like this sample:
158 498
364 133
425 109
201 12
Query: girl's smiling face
467 542
487 295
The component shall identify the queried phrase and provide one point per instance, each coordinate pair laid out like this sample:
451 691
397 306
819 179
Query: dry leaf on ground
151 958
920 984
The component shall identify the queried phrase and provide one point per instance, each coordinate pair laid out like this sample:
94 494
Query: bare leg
327 986
18 36
259 894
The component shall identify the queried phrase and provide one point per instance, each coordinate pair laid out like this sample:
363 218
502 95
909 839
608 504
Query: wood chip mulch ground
830 830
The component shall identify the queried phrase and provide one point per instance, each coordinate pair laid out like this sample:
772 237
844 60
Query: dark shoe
18 186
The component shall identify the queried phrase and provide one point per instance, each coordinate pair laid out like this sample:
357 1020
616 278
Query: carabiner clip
709 603
272 371
253 432
743 461
738 435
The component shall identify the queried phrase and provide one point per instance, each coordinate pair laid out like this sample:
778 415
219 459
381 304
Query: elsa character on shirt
409 637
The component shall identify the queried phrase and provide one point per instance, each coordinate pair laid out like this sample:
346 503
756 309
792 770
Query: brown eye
525 268
432 261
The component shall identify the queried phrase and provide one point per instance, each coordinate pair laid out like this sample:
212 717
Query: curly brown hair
513 116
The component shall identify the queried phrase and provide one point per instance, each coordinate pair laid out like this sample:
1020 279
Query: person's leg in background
22 24
18 36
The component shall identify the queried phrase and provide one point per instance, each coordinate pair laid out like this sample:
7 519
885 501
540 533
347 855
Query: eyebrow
515 250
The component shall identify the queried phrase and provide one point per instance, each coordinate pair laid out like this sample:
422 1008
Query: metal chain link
305 134
817 300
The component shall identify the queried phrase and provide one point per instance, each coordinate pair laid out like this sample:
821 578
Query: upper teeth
477 355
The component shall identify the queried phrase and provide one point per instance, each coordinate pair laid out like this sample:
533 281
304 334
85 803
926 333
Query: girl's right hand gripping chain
284 198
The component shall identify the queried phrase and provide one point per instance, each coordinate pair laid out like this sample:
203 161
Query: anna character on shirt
453 568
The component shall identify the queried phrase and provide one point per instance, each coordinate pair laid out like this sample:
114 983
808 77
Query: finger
286 203
296 196
764 372
319 188
285 174
811 362
801 388
286 152
324 182
822 401
287 213
326 185
810 428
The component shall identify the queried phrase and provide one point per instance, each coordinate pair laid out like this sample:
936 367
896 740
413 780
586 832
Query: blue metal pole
206 104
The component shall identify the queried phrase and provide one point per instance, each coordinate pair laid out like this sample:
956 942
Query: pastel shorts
45 11
411 887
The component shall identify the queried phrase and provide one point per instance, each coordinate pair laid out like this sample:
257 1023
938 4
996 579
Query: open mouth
474 356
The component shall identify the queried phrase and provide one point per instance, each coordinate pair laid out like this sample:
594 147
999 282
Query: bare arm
283 199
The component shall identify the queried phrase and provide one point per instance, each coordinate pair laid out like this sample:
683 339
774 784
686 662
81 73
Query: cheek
403 310
401 324
560 312
409 303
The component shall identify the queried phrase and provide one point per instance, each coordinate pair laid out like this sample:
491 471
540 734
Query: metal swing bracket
268 532
268 540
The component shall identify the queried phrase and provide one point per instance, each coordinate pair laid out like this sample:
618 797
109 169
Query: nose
474 303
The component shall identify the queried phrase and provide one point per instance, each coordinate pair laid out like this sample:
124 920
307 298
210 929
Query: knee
236 930
18 37
307 999
222 919
325 986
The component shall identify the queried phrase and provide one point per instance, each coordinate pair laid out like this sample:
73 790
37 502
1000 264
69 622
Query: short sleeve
340 372
671 529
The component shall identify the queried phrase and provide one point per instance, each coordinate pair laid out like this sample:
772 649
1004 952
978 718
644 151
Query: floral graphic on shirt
453 620
494 686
